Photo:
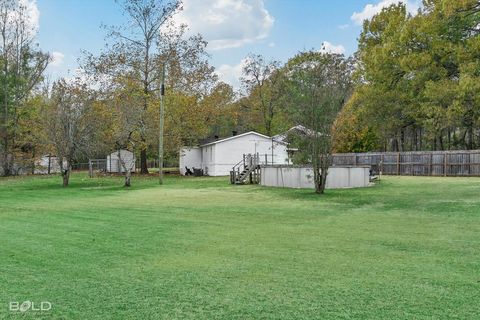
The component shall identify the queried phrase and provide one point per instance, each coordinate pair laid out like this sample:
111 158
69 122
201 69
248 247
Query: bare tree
125 121
176 62
70 123
319 86
22 66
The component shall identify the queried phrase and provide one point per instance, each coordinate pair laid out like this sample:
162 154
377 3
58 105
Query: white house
218 157
114 164
297 130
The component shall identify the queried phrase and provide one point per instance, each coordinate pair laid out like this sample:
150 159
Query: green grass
199 248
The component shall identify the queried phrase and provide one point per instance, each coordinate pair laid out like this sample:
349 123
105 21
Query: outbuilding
114 164
217 158
47 164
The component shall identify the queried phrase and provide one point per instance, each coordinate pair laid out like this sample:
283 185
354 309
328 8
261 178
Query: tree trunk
268 127
126 169
320 179
143 162
413 138
6 163
470 138
395 145
321 183
128 175
402 139
447 143
33 161
66 176
420 140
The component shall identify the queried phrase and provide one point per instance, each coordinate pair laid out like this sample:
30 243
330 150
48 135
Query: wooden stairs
247 171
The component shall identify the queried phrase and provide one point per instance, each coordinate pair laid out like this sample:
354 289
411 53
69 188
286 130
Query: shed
113 161
47 164
217 158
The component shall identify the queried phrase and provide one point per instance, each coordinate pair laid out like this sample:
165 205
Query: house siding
218 159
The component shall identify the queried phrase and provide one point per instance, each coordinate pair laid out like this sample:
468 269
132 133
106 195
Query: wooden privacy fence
416 163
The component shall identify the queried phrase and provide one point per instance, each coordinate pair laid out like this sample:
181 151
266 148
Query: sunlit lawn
199 248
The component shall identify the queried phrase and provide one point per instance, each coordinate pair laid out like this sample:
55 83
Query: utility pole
161 124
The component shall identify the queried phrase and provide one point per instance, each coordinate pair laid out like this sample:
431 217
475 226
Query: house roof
235 137
297 129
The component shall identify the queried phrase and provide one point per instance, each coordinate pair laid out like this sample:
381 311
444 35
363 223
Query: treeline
113 101
418 81
413 84
22 67
417 84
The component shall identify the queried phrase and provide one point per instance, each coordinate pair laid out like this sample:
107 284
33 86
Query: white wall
218 159
208 159
113 162
228 153
190 157
41 166
302 177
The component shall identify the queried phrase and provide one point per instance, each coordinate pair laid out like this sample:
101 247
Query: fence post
430 165
444 163
398 163
90 169
381 163
469 163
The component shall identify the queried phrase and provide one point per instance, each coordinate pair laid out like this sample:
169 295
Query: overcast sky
277 29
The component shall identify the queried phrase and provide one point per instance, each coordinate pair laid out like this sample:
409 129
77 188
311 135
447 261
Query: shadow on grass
361 195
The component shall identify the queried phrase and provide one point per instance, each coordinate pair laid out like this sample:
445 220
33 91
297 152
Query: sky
276 29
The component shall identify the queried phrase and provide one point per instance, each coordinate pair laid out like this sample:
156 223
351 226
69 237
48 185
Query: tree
179 62
70 123
384 85
135 53
263 82
417 79
460 26
125 121
186 71
219 106
318 86
350 134
22 66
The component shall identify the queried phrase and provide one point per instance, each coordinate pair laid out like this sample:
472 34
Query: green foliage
318 85
350 134
22 66
265 86
418 78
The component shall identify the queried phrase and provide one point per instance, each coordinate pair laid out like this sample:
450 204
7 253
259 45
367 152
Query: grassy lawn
408 248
